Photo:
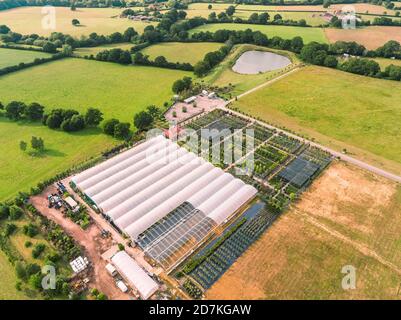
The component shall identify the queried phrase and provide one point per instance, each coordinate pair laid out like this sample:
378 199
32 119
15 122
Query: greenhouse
163 196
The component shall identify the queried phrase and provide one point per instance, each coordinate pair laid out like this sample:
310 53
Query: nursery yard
24 170
12 57
338 109
348 217
286 32
181 52
28 20
119 91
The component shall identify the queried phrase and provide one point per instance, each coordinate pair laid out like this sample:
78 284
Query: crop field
286 32
371 37
82 52
181 52
104 21
338 109
119 91
223 75
25 169
348 217
10 57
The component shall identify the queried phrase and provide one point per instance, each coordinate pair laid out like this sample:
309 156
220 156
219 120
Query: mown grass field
223 75
82 52
104 21
181 52
119 91
8 280
22 170
12 57
286 32
339 109
348 217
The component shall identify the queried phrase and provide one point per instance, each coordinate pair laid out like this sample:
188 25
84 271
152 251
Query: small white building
121 285
71 203
110 269
134 274
190 99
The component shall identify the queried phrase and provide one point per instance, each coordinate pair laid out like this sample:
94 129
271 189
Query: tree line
68 120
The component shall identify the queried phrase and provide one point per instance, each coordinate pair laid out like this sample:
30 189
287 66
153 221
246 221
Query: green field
383 62
119 91
23 170
12 57
81 52
286 32
181 52
311 18
339 109
28 20
8 280
223 75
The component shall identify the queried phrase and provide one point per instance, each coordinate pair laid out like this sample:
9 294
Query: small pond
253 62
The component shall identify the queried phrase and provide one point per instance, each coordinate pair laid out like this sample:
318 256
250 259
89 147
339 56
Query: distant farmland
286 32
339 109
119 91
10 57
371 37
104 21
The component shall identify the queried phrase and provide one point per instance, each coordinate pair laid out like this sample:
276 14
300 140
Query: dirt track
92 242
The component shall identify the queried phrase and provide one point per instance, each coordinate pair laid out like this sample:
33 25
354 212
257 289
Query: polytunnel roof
141 186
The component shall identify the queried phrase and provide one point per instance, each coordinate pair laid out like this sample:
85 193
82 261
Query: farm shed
148 183
134 274
71 202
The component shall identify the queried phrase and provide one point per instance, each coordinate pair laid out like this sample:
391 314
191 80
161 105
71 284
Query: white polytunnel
166 207
134 274
144 185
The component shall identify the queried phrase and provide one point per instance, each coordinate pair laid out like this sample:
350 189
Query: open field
371 37
119 91
23 170
348 217
104 21
286 32
223 75
338 109
311 18
10 57
383 62
181 52
8 280
95 50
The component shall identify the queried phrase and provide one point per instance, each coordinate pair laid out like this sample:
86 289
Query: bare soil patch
91 241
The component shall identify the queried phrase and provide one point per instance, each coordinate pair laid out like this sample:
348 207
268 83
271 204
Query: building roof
133 273
141 186
71 202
